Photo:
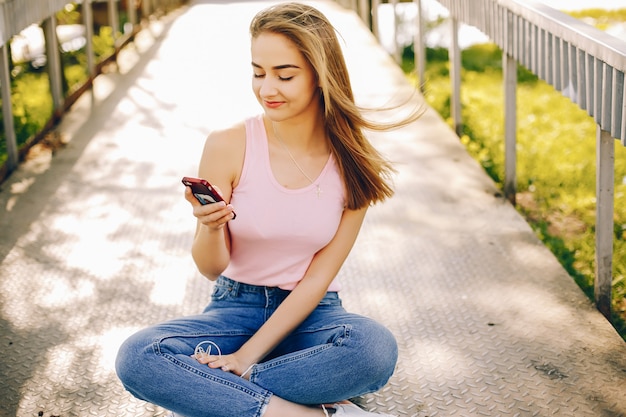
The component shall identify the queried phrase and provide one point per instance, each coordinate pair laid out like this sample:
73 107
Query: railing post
114 20
397 53
88 22
605 167
132 14
375 27
7 110
509 66
146 8
365 12
49 26
455 76
419 48
354 5
509 69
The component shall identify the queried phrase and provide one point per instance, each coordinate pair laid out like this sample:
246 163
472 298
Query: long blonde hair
366 173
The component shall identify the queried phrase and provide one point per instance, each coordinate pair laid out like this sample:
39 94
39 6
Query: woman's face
284 82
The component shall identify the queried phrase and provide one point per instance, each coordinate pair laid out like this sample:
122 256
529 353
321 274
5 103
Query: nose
268 87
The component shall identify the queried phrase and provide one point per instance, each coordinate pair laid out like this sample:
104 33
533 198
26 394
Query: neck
299 135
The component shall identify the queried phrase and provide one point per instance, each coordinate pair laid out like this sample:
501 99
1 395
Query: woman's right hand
214 216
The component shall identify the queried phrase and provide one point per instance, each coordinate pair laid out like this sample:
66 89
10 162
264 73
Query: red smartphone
203 191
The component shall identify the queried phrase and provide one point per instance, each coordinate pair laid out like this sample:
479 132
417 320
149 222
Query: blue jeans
332 356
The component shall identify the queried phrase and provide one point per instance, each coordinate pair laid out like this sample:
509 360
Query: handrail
16 15
561 50
584 63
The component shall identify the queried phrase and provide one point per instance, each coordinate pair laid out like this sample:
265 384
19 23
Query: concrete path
95 245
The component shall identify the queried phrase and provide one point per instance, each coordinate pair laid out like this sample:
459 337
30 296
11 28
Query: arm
302 300
220 164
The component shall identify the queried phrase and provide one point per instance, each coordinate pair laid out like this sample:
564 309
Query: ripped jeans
332 356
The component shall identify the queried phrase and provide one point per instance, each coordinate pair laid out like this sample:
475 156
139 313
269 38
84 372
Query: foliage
32 104
555 160
75 62
600 18
30 89
32 108
104 43
69 15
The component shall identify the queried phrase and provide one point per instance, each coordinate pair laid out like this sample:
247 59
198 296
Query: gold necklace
318 190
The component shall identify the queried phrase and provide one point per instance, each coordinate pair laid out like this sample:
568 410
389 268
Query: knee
380 353
132 358
387 348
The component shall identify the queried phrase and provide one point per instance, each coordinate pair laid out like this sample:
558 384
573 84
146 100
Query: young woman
274 340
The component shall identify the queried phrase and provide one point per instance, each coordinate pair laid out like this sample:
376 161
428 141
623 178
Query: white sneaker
351 410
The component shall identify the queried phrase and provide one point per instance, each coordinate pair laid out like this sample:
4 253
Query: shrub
555 160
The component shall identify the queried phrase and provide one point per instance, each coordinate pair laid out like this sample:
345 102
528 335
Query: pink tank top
278 230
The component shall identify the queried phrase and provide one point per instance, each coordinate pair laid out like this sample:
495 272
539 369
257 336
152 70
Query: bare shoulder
222 158
229 139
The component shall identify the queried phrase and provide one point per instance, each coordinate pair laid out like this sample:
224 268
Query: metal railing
17 15
584 63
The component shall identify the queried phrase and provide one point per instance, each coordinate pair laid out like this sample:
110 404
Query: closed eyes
279 77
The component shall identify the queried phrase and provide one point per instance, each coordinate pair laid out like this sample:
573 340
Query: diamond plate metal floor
95 244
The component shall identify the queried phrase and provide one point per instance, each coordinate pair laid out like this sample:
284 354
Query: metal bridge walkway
94 245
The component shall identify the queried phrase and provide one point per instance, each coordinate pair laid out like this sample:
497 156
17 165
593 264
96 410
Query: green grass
600 18
32 108
31 99
555 160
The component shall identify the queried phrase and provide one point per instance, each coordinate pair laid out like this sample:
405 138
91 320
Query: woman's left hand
228 363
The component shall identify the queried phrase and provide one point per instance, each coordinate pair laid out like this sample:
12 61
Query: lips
273 104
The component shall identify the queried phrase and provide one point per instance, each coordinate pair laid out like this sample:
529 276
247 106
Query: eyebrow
277 67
